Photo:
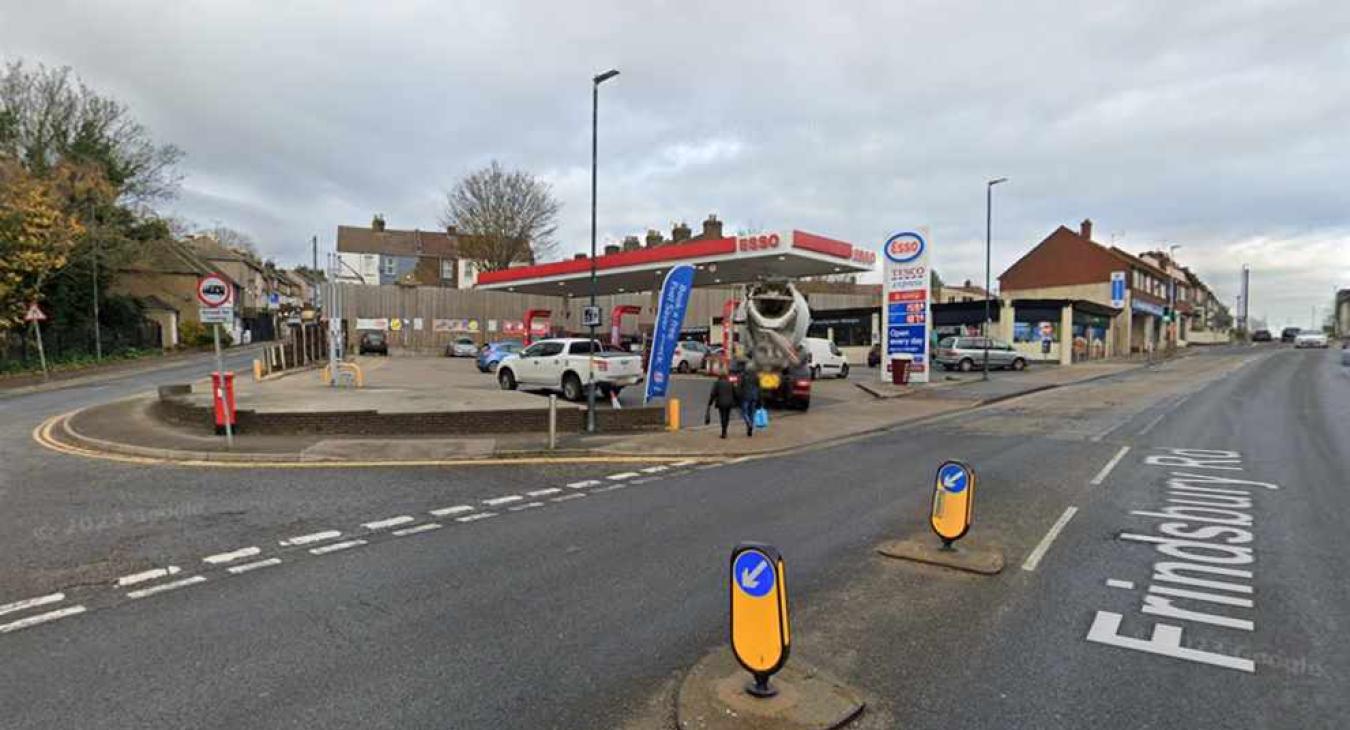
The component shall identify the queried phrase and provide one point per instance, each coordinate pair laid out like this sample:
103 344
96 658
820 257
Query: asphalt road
588 587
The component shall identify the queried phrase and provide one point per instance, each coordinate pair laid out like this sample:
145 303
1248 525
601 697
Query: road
586 589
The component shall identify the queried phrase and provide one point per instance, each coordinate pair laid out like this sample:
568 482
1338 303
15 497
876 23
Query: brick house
380 255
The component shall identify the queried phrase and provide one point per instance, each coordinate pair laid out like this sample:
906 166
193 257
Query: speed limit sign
214 291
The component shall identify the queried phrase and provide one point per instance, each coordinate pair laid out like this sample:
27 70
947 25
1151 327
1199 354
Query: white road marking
391 522
1101 475
446 511
134 578
1149 426
41 618
419 528
645 480
32 603
325 549
740 460
312 537
1114 583
152 590
508 499
612 487
714 465
475 517
246 567
686 462
1034 558
583 484
565 497
528 505
656 469
219 558
543 492
622 476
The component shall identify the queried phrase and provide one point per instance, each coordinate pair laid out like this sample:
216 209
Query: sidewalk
21 385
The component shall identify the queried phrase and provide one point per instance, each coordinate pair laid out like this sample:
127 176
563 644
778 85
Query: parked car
825 358
1289 334
565 363
493 352
1311 338
874 356
689 356
1262 336
462 347
373 342
967 353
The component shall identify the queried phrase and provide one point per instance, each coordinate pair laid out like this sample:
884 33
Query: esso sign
214 291
762 242
863 256
904 247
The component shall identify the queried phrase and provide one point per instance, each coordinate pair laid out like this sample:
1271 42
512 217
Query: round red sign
214 291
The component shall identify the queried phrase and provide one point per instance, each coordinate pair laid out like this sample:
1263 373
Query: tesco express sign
904 247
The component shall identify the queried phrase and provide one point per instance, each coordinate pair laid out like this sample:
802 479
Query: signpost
36 316
953 498
217 295
760 637
906 313
590 316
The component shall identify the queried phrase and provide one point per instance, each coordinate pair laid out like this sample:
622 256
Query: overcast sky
1220 126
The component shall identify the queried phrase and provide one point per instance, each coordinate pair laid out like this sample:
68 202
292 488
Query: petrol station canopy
717 262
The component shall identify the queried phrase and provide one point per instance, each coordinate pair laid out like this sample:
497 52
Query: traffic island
985 561
713 697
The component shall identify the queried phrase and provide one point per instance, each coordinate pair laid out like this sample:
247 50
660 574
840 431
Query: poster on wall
492 325
417 323
906 306
372 323
513 327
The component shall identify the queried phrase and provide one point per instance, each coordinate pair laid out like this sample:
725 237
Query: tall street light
595 137
1174 326
988 241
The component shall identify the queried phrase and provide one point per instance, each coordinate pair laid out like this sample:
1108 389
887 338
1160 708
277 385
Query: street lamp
595 135
988 238
1173 327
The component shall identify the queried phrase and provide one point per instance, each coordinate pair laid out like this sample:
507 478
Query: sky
1220 127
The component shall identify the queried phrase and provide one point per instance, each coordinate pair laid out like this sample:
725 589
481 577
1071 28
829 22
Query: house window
448 269
389 265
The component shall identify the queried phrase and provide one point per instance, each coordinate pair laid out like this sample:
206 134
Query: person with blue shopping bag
750 405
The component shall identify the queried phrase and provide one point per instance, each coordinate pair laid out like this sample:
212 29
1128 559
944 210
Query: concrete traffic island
713 697
961 556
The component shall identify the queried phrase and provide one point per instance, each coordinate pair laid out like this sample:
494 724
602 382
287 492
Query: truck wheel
803 405
967 365
506 379
571 387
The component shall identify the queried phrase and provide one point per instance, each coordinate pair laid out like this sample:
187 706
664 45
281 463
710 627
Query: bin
222 398
900 369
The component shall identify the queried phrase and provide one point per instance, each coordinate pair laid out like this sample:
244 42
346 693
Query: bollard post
552 422
257 370
673 414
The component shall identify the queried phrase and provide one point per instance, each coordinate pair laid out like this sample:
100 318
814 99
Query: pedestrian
723 395
749 401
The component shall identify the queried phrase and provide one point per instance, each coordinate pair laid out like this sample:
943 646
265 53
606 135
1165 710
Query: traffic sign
395 324
590 316
953 499
216 315
760 635
34 314
214 291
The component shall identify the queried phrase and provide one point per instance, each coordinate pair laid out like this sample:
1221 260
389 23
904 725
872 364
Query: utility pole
314 241
595 138
988 246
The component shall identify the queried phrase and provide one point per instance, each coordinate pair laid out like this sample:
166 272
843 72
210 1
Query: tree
231 238
505 217
36 238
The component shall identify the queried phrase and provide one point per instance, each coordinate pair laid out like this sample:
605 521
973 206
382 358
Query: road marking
508 499
475 517
1114 583
312 537
1034 558
246 567
656 469
219 558
522 507
41 618
714 465
446 511
565 497
1101 475
32 603
543 492
419 528
645 480
583 484
325 549
1149 427
134 578
391 522
622 476
152 590
740 460
686 462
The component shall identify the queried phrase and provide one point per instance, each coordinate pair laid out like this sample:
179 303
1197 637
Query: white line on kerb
32 603
219 558
418 528
391 522
1034 558
656 469
1101 475
246 567
583 484
41 618
686 462
622 476
508 499
325 549
475 517
152 590
312 537
446 511
134 578
543 492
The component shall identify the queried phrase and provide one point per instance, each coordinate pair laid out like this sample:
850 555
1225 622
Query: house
162 278
967 292
256 321
381 255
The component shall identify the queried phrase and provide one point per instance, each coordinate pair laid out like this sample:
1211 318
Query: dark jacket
749 388
723 394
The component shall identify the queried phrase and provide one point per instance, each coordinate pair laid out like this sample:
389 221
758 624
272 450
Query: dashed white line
543 492
566 497
583 484
391 522
41 618
521 507
230 557
617 485
312 537
447 511
644 480
621 476
172 585
418 528
475 517
1101 475
1115 583
656 469
325 549
508 499
32 603
155 574
246 567
1149 426
1034 558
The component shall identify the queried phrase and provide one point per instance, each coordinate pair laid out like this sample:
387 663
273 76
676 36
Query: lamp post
595 138
1173 327
988 239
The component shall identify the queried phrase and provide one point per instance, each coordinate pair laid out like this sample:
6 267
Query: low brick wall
173 408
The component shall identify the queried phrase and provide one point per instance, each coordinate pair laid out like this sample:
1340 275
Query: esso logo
762 242
904 247
863 256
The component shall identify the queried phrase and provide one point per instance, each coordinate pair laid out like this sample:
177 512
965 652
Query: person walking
749 401
723 395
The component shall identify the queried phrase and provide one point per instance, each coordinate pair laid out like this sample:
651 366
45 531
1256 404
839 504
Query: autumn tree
504 217
36 239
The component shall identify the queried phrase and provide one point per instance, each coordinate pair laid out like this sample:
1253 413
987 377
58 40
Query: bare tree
231 238
504 217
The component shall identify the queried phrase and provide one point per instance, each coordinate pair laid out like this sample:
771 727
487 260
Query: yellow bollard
673 414
257 370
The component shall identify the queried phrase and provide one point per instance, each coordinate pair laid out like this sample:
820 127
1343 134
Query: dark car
1289 334
1261 336
373 342
874 356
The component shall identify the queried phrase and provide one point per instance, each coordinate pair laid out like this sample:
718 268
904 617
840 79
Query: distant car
1262 336
689 356
1311 338
825 358
493 353
967 353
874 356
1289 334
462 347
373 342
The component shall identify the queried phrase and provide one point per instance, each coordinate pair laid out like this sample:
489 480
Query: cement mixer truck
771 322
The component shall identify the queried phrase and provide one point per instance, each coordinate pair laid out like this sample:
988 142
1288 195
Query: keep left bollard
760 635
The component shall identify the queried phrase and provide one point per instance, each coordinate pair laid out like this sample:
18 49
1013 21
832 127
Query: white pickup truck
565 364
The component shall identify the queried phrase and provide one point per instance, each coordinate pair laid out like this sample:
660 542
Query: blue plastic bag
761 418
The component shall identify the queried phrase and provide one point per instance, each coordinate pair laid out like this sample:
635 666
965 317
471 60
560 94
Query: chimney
579 257
967 283
680 233
712 228
630 243
611 248
377 223
451 231
1085 230
654 238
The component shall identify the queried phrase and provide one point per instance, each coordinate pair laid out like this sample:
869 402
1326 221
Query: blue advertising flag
669 318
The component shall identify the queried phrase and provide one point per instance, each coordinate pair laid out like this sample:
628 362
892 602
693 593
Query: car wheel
1019 364
843 370
571 387
967 365
506 379
683 367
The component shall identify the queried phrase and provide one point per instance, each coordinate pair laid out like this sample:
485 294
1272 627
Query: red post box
222 396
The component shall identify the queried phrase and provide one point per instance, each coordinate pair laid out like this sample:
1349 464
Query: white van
825 358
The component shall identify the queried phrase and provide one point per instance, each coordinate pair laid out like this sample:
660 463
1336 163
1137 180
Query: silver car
967 353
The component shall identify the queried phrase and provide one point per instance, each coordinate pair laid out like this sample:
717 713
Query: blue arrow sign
954 478
753 573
